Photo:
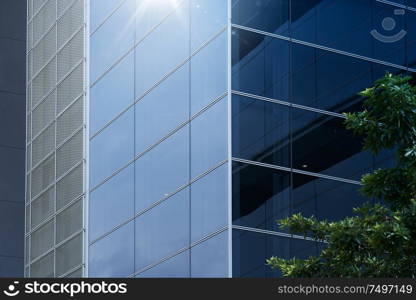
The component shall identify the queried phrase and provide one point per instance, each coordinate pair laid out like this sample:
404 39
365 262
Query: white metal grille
44 113
44 50
70 187
69 154
69 23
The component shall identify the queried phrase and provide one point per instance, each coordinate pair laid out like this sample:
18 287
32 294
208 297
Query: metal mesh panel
43 144
29 9
29 158
55 112
28 183
69 222
70 22
44 50
43 176
44 113
44 20
44 82
29 127
71 54
27 215
76 274
63 5
37 4
44 267
70 187
69 154
43 207
69 255
30 35
70 120
42 240
29 66
70 88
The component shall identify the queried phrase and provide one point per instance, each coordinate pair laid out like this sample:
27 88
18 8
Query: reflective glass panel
113 256
112 148
163 230
112 203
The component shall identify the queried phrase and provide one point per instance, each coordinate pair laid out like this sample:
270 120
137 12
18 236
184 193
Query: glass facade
296 66
158 123
206 120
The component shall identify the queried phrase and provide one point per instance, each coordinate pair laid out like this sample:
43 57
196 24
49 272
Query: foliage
380 239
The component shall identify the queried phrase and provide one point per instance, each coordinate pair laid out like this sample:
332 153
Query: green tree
379 240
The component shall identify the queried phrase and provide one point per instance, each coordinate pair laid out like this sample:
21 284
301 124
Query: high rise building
165 137
12 136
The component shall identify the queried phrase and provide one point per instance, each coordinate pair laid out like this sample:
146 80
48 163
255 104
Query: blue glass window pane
112 203
260 65
150 13
322 144
265 15
163 230
411 37
113 256
209 73
260 196
113 39
209 138
210 259
175 267
100 9
163 169
207 18
349 25
112 94
163 50
209 203
163 109
317 81
252 249
112 148
325 199
261 131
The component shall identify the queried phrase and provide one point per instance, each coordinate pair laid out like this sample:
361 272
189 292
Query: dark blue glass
210 259
260 196
175 267
112 148
163 230
162 170
322 144
163 109
265 15
209 138
260 65
113 256
316 80
112 203
113 39
252 249
325 199
112 94
209 203
261 131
